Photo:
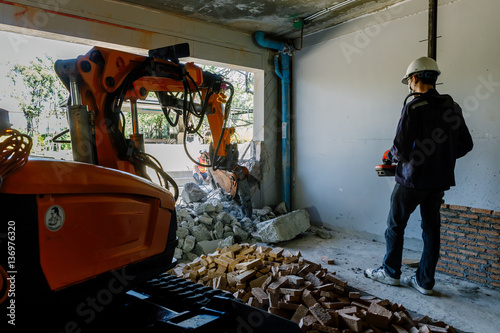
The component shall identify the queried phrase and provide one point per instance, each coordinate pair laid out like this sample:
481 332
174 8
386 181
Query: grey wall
348 98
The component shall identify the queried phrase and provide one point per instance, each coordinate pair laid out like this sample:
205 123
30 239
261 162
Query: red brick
480 211
478 261
469 216
474 230
478 273
473 278
469 253
475 248
459 221
442 253
488 245
489 232
467 241
444 206
494 264
448 213
456 255
468 264
456 267
495 277
453 261
447 238
449 226
490 219
448 248
495 284
495 240
456 233
489 257
448 271
495 213
496 226
494 252
475 236
441 264
480 224
494 270
461 208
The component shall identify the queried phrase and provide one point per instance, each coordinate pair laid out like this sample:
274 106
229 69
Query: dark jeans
403 202
197 177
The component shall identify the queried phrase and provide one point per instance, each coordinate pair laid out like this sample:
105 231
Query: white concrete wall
348 98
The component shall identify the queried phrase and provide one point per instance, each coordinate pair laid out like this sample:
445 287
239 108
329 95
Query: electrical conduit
284 75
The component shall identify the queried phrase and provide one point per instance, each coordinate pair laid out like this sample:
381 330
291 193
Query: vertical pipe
285 124
284 75
432 37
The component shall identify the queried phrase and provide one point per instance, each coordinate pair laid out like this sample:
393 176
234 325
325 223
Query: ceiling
275 17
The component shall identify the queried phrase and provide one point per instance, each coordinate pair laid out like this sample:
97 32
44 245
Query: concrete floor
467 306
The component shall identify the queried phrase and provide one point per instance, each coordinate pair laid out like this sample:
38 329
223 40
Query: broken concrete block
206 207
189 243
228 234
284 227
263 211
182 213
238 232
198 250
226 242
190 256
219 230
205 219
182 232
201 233
178 253
193 193
280 209
216 204
209 246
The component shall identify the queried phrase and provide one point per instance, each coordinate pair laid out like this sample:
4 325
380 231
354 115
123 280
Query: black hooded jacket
431 135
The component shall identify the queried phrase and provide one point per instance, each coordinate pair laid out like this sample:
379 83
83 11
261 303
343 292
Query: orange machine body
102 71
106 219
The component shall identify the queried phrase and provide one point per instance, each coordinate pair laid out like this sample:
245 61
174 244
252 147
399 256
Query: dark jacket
431 135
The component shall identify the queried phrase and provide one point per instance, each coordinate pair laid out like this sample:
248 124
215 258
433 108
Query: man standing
200 171
430 136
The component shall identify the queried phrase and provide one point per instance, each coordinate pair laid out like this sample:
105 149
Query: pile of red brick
288 285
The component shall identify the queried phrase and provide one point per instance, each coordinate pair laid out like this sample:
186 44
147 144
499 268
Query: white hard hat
422 64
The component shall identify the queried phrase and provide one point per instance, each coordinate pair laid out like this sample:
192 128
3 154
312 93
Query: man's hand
386 159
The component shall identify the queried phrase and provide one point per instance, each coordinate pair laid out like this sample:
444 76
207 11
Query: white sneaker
380 275
411 281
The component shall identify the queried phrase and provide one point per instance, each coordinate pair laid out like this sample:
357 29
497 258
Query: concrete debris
200 233
284 227
321 232
189 243
280 209
193 193
264 211
226 242
286 284
203 225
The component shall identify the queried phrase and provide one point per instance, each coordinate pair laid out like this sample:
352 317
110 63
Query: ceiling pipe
322 12
283 73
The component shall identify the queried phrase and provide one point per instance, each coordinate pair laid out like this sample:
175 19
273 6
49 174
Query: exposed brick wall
470 244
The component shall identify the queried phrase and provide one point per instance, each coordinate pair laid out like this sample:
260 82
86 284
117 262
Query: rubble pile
205 224
288 285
